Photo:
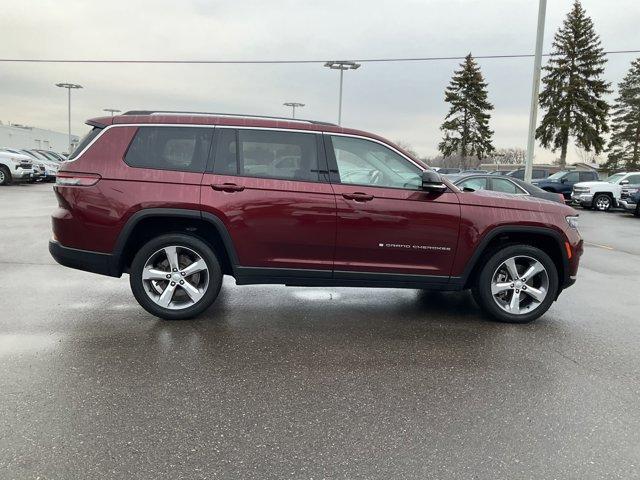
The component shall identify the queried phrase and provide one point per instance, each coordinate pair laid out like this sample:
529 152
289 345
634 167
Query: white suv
15 167
605 194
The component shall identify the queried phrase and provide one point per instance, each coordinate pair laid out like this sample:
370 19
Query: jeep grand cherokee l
177 200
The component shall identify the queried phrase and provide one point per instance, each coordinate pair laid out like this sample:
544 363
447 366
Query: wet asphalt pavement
293 383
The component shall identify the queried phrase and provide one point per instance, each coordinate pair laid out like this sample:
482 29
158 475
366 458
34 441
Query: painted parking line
606 247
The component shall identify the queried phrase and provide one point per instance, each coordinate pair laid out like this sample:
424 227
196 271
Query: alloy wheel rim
1 176
520 285
603 203
175 277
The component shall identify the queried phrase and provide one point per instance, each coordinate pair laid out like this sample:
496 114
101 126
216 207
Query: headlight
572 220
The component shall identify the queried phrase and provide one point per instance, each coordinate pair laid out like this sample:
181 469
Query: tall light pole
535 89
293 106
111 110
342 66
69 87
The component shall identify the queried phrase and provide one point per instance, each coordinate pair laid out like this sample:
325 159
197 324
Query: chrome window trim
108 127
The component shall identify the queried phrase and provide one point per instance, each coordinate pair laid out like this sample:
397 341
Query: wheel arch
149 223
548 240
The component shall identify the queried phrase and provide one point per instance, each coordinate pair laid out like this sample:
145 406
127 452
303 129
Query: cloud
397 100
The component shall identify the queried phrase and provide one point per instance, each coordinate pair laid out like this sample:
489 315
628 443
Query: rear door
386 223
270 188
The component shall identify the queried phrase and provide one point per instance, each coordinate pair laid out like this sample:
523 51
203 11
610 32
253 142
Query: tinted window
538 174
267 154
505 186
277 154
88 138
633 179
586 176
363 162
572 177
170 148
226 155
474 183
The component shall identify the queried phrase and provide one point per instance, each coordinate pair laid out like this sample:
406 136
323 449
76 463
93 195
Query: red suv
178 200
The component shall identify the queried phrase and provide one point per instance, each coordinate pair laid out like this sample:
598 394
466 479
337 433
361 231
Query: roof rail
233 115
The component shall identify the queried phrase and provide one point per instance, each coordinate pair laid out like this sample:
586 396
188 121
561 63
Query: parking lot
278 382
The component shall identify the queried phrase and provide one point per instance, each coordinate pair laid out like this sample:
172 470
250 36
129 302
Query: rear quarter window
183 149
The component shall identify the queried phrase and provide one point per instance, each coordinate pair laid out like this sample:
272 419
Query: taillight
77 179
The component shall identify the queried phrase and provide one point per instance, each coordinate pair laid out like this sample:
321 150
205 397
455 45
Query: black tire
602 202
5 175
180 240
482 289
636 212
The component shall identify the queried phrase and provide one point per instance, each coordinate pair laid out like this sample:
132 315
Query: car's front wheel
602 202
175 276
5 175
517 284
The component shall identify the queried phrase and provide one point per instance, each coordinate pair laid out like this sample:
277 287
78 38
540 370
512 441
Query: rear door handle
358 196
227 187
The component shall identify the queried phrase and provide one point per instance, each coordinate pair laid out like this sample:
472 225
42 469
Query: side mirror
624 182
563 180
432 182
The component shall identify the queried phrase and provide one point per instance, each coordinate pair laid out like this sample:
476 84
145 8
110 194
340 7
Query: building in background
23 136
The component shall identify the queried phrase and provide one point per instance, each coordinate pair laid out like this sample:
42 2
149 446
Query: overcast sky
401 101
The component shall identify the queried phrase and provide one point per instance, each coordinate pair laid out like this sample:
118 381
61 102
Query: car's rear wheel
5 175
517 284
602 202
175 276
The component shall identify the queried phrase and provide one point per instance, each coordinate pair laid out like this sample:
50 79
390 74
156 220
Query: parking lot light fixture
341 65
69 87
111 110
293 106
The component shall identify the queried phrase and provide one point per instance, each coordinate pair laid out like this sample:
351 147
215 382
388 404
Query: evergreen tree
466 126
624 146
573 89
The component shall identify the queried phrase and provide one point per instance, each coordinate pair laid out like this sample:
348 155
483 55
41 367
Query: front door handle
358 196
227 187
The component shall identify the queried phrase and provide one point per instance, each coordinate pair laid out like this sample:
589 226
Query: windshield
557 176
615 178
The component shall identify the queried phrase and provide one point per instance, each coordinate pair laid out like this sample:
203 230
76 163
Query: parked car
43 169
448 171
15 167
143 195
537 173
473 170
603 195
632 203
503 184
563 181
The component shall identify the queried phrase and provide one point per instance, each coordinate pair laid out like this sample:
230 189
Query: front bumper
95 262
581 198
628 205
22 174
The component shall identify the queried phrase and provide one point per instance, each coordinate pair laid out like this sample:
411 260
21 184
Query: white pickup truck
15 167
607 193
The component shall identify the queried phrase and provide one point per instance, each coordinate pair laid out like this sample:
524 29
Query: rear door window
170 148
267 154
586 176
504 186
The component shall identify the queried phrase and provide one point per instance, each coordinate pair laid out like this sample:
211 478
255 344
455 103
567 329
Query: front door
386 223
270 189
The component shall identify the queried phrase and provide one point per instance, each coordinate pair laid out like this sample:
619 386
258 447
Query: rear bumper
95 262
